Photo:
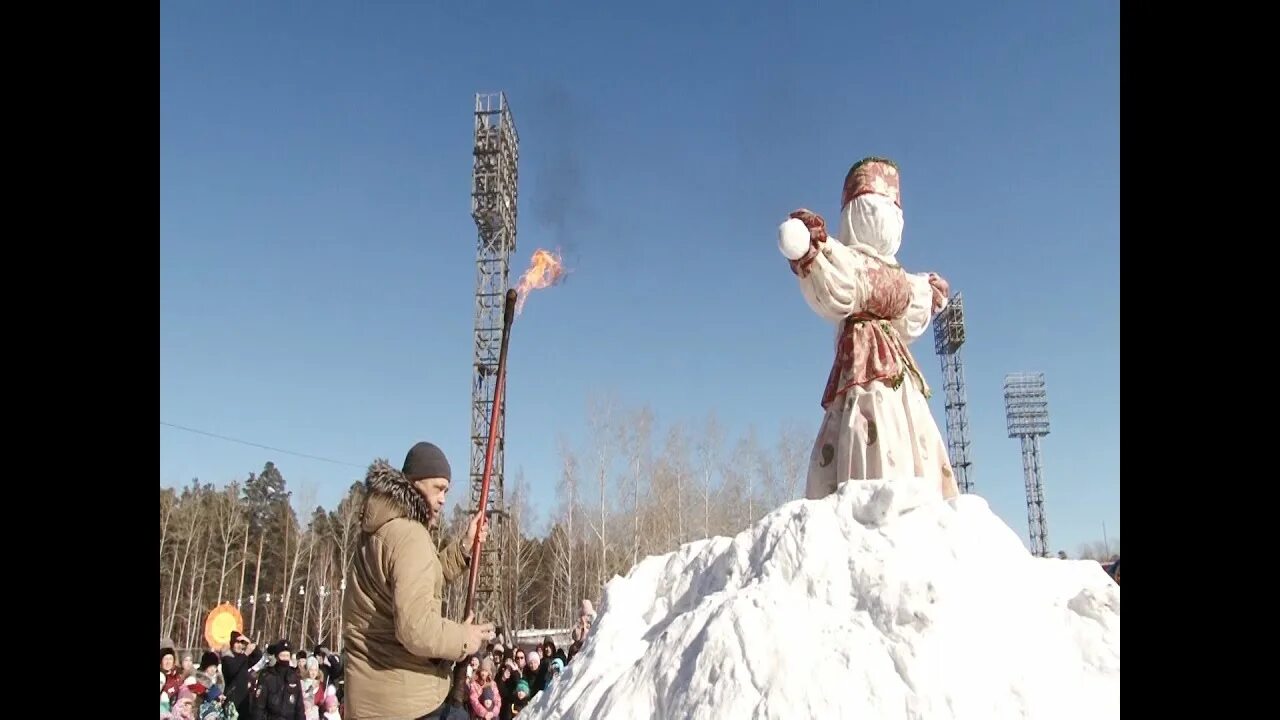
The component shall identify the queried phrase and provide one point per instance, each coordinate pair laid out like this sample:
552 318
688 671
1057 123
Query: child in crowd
184 706
522 697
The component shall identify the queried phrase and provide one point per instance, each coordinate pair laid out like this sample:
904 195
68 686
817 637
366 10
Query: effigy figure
876 422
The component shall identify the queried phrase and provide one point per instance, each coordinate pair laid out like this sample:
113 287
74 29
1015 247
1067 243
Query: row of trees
244 544
629 489
1102 551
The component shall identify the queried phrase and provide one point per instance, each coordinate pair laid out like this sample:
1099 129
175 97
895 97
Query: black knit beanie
425 461
209 658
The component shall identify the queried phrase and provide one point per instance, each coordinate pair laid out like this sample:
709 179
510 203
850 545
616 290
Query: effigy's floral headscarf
871 209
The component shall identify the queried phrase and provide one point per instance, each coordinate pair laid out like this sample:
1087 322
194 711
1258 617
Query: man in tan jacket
400 649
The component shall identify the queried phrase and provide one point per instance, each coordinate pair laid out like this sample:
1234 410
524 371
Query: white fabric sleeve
836 285
915 321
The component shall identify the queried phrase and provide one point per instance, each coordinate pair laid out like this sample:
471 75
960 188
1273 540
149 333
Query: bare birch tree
732 495
600 417
257 579
633 436
309 587
346 532
766 477
168 503
190 514
568 490
520 557
455 594
709 455
195 593
793 460
319 582
290 566
668 498
230 521
1100 551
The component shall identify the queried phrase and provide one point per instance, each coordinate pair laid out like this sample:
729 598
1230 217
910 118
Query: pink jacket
477 707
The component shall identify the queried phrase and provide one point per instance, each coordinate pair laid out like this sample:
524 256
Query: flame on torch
545 270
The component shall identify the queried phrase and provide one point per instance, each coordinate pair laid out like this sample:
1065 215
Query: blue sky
317 253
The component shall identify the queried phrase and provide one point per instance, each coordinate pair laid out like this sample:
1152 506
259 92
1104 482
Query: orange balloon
219 624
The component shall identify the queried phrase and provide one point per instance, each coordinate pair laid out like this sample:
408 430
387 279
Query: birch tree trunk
244 562
181 572
306 589
709 453
254 600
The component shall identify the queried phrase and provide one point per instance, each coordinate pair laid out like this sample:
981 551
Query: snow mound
881 601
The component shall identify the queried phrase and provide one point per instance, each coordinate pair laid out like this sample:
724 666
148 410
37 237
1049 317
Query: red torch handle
499 391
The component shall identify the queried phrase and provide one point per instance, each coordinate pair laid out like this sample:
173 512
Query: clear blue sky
317 253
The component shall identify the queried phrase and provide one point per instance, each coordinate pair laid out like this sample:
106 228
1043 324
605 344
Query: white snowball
793 239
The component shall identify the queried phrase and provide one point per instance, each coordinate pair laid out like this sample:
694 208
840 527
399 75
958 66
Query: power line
258 445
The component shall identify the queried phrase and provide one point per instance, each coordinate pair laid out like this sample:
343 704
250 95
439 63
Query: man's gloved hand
475 636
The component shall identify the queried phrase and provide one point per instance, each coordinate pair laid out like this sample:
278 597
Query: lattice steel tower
948 336
494 178
1026 406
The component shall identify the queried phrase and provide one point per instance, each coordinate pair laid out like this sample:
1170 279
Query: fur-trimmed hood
389 496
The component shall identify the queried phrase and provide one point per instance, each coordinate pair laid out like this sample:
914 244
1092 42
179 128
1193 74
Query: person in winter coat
535 671
279 692
549 653
586 618
334 663
235 671
215 706
522 697
211 665
331 708
164 697
508 676
486 700
184 706
557 667
400 649
172 674
207 703
313 687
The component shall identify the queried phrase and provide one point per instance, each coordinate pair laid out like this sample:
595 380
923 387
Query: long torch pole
499 391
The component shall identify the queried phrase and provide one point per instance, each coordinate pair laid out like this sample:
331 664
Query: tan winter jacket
400 650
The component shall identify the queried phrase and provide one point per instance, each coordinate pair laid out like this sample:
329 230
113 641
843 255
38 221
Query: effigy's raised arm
832 277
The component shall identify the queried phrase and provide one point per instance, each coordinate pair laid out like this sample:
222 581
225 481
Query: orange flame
546 269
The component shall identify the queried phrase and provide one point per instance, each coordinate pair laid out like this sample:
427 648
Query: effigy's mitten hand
799 238
941 291
816 225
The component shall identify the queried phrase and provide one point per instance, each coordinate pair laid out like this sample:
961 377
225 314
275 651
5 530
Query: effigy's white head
871 209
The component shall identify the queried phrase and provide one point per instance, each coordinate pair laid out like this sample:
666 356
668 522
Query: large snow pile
877 602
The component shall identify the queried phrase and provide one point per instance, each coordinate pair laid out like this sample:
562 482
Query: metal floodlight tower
494 177
948 336
1026 406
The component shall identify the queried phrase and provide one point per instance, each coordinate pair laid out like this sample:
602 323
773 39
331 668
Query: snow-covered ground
877 602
